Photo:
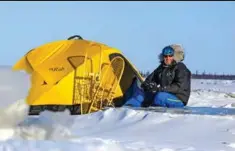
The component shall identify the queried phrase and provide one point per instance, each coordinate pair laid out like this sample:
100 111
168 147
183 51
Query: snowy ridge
116 129
211 98
122 130
226 86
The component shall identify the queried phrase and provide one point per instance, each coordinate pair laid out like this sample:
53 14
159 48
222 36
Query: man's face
168 59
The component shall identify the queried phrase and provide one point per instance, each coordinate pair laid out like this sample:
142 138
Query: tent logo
55 69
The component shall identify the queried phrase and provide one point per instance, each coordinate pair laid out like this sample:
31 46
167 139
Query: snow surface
116 129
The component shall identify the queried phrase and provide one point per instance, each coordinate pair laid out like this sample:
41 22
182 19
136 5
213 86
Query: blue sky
139 29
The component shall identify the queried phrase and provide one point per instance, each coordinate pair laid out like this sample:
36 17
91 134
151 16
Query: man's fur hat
178 53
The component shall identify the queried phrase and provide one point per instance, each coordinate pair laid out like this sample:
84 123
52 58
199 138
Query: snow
116 129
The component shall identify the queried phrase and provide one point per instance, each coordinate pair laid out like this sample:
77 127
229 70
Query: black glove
145 85
150 86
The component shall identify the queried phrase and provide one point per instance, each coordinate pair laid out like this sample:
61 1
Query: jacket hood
178 53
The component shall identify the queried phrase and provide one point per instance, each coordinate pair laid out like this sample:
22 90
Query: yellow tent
81 75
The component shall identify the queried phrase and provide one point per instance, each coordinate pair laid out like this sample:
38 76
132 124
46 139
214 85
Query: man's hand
150 87
145 85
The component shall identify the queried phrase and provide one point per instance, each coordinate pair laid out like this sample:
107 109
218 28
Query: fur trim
178 53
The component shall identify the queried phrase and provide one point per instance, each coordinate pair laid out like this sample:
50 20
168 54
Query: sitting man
169 85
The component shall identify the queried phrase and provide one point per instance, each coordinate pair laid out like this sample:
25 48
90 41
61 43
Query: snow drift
116 129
